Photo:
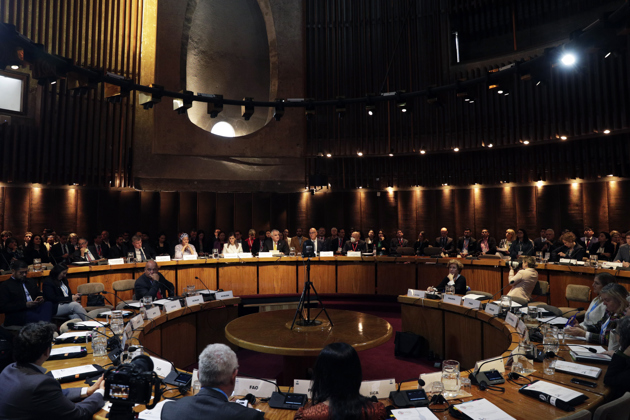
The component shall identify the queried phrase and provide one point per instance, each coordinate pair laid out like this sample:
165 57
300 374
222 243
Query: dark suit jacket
577 254
608 248
256 247
472 245
492 246
115 252
28 394
208 404
76 256
418 247
348 247
394 244
450 245
31 253
283 246
13 300
104 251
335 243
149 253
538 244
460 285
54 294
527 248
145 286
56 252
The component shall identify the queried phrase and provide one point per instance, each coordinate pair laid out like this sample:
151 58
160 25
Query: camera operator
525 280
152 283
27 393
218 367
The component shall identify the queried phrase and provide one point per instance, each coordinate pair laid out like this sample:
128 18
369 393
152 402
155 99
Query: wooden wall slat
243 213
187 211
206 211
225 212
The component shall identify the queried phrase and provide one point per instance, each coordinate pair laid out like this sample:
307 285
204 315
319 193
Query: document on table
418 413
578 369
73 334
483 410
476 297
553 390
109 313
514 304
64 373
553 320
155 413
161 301
65 350
90 324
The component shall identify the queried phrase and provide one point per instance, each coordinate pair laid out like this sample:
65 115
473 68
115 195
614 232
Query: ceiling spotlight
279 109
456 149
606 56
360 153
568 59
500 92
391 155
328 154
247 110
506 94
370 106
490 145
445 185
472 101
606 131
563 137
401 102
422 152
610 175
525 142
360 187
15 67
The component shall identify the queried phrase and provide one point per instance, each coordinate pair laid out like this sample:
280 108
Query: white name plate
521 327
380 389
230 256
223 295
137 322
452 299
190 257
492 309
162 258
511 319
472 303
245 255
116 261
302 386
416 293
194 300
161 367
172 305
265 255
326 254
492 364
260 389
354 253
153 313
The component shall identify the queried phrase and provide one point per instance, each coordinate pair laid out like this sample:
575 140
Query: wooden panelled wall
603 205
70 139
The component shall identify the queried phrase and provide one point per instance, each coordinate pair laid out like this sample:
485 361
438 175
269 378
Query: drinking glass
465 384
99 342
147 301
551 343
549 366
130 257
190 290
449 289
37 264
546 257
505 304
215 253
539 256
450 378
292 252
436 388
594 259
117 323
532 313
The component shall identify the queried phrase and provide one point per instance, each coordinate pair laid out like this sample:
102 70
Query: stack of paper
483 410
581 354
578 369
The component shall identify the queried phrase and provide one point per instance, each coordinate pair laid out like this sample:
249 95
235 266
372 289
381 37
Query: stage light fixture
422 152
328 154
370 105
456 149
401 102
606 131
247 110
568 59
181 105
490 145
360 153
215 106
279 109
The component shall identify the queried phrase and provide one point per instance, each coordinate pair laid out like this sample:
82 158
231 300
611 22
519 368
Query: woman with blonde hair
505 244
454 278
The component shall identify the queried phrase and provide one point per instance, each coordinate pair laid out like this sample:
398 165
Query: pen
568 324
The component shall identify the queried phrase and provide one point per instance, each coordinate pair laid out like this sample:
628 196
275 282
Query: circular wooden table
270 332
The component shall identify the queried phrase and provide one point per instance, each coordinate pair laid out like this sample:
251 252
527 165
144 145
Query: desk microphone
483 381
502 289
288 400
535 334
409 398
204 284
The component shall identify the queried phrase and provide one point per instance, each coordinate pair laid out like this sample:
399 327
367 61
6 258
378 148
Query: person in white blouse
231 246
184 248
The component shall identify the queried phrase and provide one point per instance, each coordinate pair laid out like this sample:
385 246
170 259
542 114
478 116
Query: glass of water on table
450 378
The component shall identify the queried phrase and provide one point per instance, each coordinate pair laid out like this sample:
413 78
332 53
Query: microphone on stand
410 398
204 285
486 380
287 400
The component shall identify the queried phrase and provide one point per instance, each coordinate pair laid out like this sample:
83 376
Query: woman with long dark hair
36 249
337 378
57 291
522 246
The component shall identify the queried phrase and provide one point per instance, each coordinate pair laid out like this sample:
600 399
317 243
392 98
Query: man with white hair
218 367
275 245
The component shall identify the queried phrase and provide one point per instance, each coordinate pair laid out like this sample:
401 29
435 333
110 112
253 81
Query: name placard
223 295
190 257
153 312
521 327
265 255
260 389
172 305
162 258
245 255
161 367
137 322
230 256
380 389
354 253
490 364
452 299
472 303
194 300
302 386
116 261
326 254
511 319
416 293
492 309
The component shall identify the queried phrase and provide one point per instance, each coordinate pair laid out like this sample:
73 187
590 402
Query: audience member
152 283
11 253
603 248
466 244
218 244
119 250
618 370
370 241
4 235
322 243
105 238
398 242
623 255
522 246
141 252
297 241
570 249
596 310
36 249
549 244
84 252
454 278
445 242
28 393
73 239
588 239
285 236
232 247
162 247
50 241
506 243
248 244
523 282
311 245
382 247
259 244
200 243
275 245
218 367
420 244
355 244
101 250
337 377
538 242
27 239
20 299
486 245
615 240
62 252
57 291
192 236
335 241
184 247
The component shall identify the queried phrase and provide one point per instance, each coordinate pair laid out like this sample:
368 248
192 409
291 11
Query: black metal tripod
305 302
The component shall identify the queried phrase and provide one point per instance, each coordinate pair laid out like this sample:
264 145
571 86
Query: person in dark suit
603 248
57 291
522 245
570 250
84 252
28 393
100 249
218 367
274 244
335 241
445 242
466 245
420 244
152 283
21 301
10 253
248 243
486 245
354 244
549 244
539 242
119 249
322 243
588 239
397 242
259 244
141 253
62 251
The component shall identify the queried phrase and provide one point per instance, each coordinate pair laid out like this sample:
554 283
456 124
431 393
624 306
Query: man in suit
218 367
588 239
274 244
540 240
335 242
397 242
119 249
486 245
84 252
298 240
100 249
62 251
259 244
287 237
152 283
466 244
322 243
550 243
309 248
354 244
106 240
445 242
140 252
27 393
20 299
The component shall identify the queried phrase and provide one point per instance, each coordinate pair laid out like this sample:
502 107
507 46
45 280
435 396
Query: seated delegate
525 280
231 246
184 247
20 298
623 255
522 245
596 310
57 291
152 283
454 278
337 377
570 249
619 368
355 244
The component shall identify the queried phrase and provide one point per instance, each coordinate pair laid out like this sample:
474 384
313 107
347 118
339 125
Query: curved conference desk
471 335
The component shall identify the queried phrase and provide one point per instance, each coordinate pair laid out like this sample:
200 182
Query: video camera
129 384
